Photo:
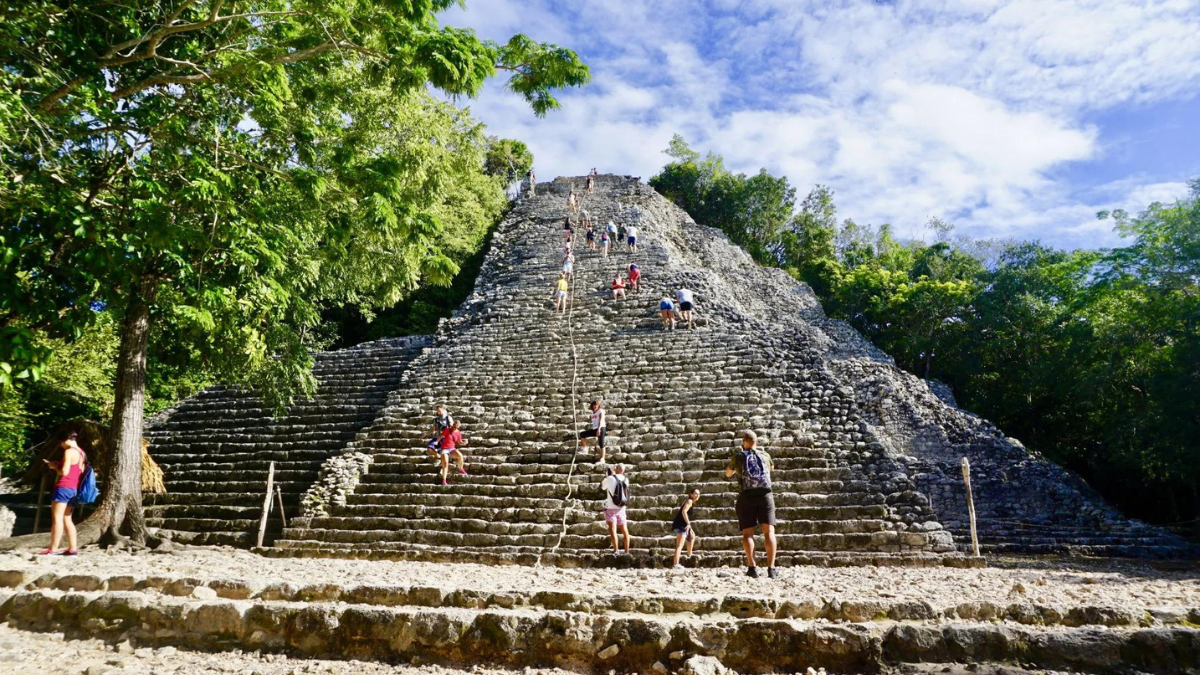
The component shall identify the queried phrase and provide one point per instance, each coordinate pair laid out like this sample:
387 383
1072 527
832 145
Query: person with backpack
755 504
682 526
616 498
451 439
71 470
441 421
597 428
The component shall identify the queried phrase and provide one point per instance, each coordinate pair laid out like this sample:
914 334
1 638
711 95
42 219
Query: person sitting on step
666 309
616 498
596 430
684 296
682 526
755 504
635 277
618 288
631 236
451 439
441 421
560 293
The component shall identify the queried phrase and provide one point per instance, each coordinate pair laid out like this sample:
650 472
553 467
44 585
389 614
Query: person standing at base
560 293
616 498
684 296
682 526
755 503
596 429
66 495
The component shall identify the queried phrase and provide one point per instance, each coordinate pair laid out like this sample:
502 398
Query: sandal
48 551
70 551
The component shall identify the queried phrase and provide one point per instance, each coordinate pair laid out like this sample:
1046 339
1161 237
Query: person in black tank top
682 526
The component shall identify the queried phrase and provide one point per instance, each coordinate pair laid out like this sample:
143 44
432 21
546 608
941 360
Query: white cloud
964 109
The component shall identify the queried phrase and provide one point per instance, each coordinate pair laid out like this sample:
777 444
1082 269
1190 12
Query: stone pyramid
866 456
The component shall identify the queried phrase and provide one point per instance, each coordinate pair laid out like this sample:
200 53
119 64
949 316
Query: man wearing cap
755 503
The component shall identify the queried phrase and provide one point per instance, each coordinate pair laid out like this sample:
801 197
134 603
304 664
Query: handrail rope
568 501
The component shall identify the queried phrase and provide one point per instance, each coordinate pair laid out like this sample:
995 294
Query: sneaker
616 554
70 551
462 472
772 572
443 481
47 551
752 572
679 567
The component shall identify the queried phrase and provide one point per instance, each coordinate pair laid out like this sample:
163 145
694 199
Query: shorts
68 496
633 241
754 510
691 534
616 515
597 434
591 236
560 294
685 306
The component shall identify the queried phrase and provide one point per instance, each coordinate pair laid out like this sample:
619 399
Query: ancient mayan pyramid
866 456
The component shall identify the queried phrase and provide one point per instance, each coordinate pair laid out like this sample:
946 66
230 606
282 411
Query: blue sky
1007 118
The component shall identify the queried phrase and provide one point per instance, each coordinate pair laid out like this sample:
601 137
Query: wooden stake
279 499
966 469
262 523
37 515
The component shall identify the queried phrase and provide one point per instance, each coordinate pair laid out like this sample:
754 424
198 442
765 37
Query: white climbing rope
568 501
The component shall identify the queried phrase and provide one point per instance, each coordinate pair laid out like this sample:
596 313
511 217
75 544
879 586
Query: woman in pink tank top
66 495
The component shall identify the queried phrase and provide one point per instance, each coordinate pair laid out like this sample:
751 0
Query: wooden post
37 515
262 523
966 469
279 499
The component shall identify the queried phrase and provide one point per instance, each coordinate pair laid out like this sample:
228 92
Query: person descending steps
755 504
618 288
686 307
616 498
596 429
441 421
682 526
451 439
635 277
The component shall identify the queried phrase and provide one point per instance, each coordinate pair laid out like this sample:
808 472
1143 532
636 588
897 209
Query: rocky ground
1110 583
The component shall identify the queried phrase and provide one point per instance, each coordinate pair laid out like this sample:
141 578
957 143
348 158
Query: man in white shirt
632 234
616 497
684 296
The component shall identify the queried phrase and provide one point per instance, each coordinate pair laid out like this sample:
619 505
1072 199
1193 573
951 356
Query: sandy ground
1118 584
24 653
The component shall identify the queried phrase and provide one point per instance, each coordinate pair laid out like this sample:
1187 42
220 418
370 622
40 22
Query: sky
1018 118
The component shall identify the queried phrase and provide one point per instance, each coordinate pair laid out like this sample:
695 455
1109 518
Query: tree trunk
118 517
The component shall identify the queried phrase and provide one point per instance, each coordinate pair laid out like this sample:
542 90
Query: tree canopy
213 174
1090 357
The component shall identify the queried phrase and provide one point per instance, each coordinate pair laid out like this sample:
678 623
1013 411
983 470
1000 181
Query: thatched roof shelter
94 439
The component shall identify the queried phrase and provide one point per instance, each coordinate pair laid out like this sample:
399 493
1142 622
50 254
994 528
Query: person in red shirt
66 495
635 277
451 439
618 288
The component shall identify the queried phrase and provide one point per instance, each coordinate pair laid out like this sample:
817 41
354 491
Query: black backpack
620 493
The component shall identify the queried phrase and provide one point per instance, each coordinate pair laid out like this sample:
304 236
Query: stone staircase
215 447
519 378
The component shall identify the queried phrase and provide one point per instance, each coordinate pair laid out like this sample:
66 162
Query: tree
508 159
213 173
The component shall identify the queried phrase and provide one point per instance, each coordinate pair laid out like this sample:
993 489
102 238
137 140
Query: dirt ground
1111 583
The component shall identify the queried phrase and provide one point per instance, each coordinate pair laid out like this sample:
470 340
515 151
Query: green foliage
237 167
508 159
1090 357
